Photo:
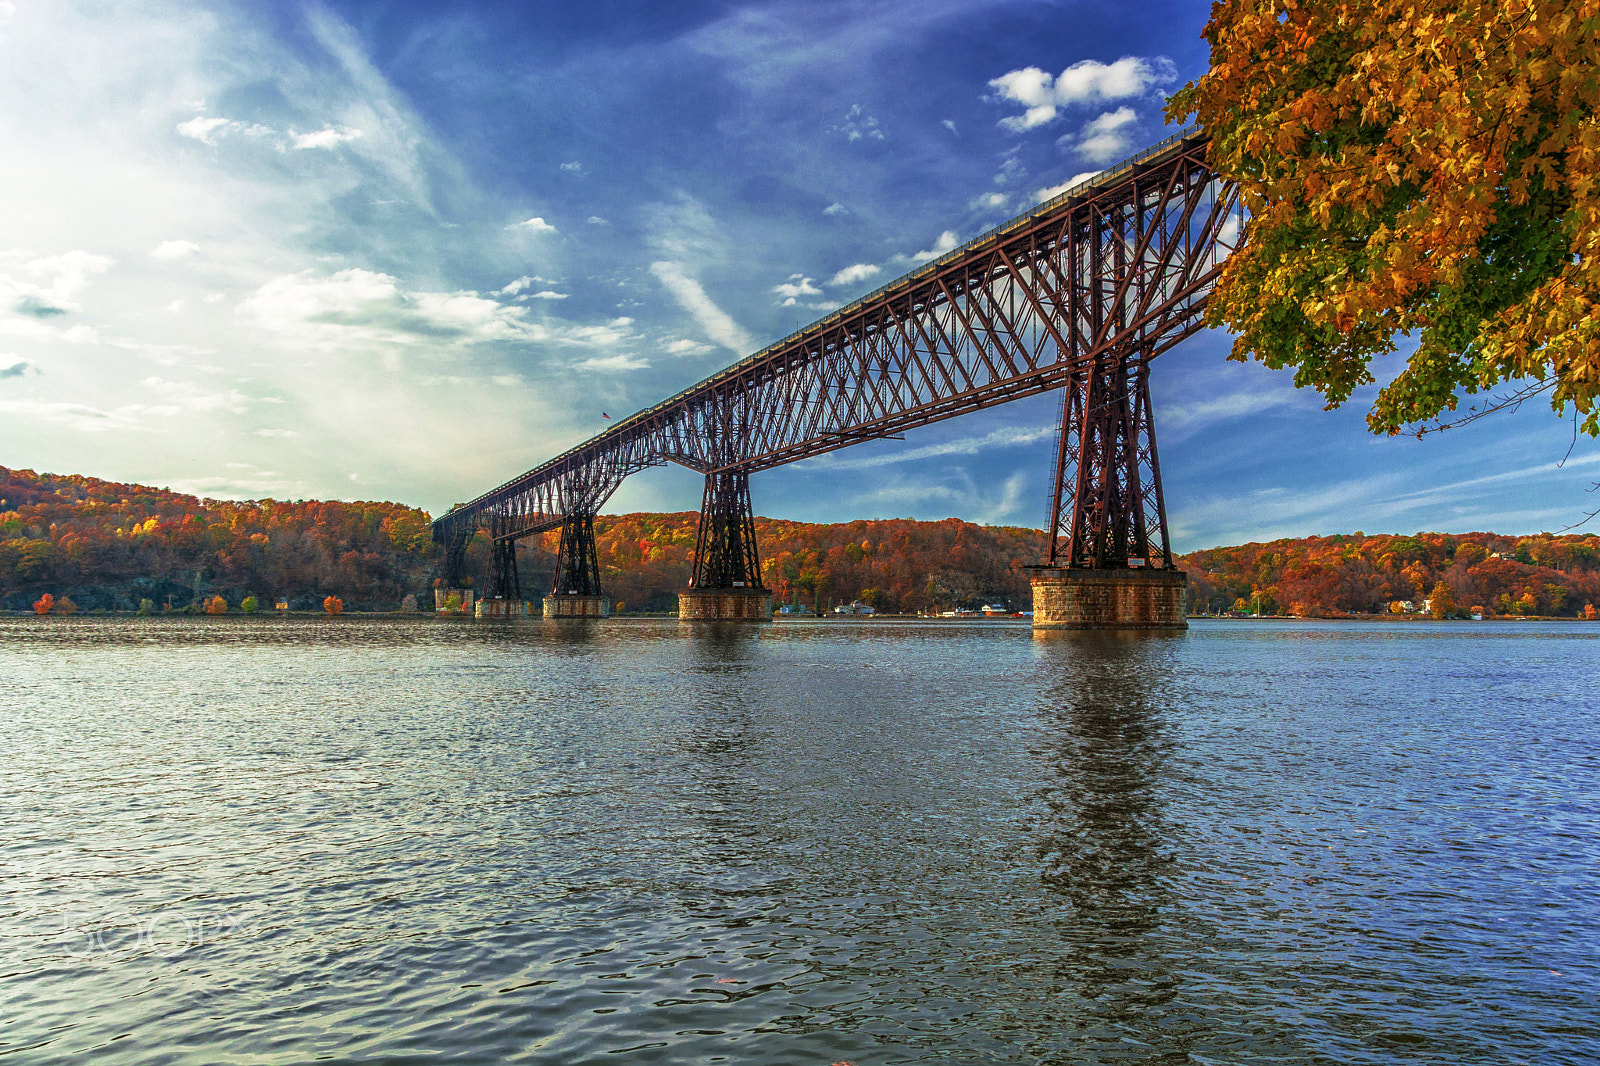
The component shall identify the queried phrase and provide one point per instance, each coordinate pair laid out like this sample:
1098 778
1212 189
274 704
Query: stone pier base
573 606
1110 599
727 605
441 601
502 609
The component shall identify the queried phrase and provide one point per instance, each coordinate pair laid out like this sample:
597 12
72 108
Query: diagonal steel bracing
1079 293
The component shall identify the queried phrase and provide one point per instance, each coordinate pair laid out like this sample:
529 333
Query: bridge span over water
1078 295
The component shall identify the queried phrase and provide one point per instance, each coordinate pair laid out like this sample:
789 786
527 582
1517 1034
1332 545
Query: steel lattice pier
1080 294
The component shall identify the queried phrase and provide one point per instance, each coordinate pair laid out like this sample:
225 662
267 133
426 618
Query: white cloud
184 397
174 250
524 283
300 297
596 220
209 130
613 363
685 347
795 287
858 125
175 306
276 434
77 416
947 242
519 289
572 168
950 125
362 308
62 276
204 129
1056 190
533 225
324 138
835 209
1104 138
1085 82
855 274
716 322
1011 171
990 201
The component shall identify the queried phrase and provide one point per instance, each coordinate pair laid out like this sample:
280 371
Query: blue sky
408 250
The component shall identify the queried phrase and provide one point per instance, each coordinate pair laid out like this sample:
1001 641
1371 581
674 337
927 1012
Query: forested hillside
1358 574
893 564
109 545
105 545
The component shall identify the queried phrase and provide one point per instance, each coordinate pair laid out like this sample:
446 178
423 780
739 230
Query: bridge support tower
726 583
576 592
1110 564
453 577
503 588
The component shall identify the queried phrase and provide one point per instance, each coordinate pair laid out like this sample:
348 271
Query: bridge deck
1007 314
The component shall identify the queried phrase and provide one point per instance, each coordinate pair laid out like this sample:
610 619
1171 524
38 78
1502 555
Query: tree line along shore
96 546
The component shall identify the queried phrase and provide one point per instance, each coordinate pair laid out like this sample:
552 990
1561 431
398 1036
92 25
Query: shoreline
274 615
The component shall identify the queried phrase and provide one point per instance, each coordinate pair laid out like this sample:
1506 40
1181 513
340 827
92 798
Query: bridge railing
1040 210
620 430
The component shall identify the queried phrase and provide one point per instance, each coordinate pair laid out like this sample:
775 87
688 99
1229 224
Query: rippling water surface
266 841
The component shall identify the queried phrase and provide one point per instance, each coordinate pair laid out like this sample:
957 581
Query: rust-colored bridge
1078 294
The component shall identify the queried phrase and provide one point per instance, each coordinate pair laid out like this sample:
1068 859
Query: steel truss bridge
1079 295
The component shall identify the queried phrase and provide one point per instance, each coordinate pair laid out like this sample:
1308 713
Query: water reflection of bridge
1078 295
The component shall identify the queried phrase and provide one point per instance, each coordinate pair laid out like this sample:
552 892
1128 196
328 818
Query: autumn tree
332 604
216 605
44 604
1424 168
1441 604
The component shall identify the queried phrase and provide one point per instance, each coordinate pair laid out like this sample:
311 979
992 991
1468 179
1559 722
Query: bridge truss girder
1110 274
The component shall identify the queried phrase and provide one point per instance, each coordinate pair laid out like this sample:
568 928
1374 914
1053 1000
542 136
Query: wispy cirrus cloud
1008 437
613 363
717 323
80 417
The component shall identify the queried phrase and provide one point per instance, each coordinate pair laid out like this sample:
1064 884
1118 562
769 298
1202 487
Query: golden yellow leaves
1421 167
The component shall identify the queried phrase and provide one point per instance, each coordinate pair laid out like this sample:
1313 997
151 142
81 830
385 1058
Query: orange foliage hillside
1358 574
894 564
120 543
111 545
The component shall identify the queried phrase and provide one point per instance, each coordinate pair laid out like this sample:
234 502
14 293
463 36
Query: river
641 841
